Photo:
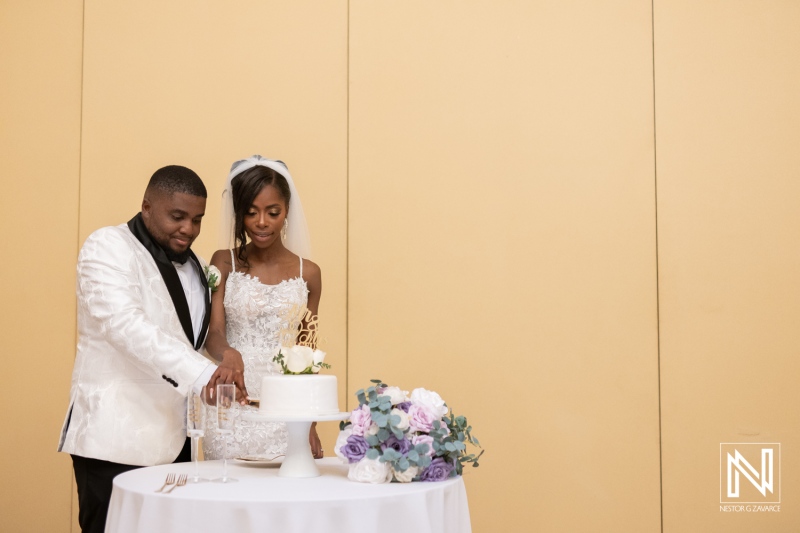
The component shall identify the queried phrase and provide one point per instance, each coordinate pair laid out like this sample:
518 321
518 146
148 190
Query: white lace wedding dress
255 314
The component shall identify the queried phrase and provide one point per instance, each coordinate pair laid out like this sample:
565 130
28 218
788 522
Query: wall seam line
78 219
347 224
658 286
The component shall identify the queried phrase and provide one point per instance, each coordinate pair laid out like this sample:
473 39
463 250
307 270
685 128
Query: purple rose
438 470
399 445
404 406
355 449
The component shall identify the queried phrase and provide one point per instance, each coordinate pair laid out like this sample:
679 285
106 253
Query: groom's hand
230 370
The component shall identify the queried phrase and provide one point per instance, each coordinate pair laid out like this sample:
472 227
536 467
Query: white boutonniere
212 277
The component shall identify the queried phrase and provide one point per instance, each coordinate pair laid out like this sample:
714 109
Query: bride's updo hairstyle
244 189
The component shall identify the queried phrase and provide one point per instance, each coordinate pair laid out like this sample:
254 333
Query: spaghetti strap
301 267
233 262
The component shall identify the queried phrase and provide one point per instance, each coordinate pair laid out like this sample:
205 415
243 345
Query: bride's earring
285 227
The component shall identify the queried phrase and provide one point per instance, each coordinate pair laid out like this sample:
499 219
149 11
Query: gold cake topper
302 328
298 352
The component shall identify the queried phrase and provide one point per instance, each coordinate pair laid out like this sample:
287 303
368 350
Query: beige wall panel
727 79
203 84
40 99
502 245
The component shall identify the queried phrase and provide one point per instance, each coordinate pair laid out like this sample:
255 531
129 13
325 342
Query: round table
262 501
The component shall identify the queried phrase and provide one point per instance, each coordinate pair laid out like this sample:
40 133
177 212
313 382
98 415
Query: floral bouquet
392 436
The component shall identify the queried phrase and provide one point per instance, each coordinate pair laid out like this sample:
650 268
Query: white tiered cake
301 395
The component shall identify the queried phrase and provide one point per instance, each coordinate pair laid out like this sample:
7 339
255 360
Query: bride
264 277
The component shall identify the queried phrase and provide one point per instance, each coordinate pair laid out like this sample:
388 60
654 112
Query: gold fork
181 482
170 480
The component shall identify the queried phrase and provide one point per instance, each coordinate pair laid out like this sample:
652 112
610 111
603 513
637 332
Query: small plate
260 460
257 416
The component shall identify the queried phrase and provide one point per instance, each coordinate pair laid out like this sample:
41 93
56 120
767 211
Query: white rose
372 429
407 476
341 440
397 395
403 424
298 358
370 471
431 401
308 353
317 357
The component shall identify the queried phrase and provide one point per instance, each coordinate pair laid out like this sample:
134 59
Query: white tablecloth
262 501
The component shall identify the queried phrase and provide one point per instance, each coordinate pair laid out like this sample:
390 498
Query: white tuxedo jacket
134 364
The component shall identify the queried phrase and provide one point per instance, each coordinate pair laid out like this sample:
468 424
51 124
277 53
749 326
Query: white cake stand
299 461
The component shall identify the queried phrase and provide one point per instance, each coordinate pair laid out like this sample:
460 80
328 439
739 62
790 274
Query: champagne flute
226 406
195 428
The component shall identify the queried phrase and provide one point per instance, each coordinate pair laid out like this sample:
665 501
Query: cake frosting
306 394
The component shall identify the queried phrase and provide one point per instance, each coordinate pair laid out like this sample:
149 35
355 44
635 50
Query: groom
143 313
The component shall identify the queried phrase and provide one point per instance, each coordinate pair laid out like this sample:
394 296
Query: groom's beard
139 229
177 257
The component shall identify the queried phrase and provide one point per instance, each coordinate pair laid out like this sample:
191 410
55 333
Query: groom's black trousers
95 480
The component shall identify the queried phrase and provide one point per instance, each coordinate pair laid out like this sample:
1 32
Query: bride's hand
313 440
231 370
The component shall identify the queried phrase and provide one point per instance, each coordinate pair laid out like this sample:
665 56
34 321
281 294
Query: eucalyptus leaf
373 454
390 454
380 419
